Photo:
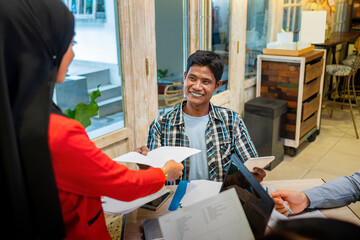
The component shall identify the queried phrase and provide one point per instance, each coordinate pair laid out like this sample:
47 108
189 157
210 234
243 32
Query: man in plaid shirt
197 123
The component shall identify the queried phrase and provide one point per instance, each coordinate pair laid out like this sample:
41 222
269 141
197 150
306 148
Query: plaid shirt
225 134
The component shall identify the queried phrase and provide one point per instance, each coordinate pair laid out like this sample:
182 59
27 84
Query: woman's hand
172 170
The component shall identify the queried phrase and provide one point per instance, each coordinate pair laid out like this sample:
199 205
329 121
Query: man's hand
144 151
297 201
259 174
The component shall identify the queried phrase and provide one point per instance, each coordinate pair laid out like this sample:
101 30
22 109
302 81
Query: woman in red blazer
53 175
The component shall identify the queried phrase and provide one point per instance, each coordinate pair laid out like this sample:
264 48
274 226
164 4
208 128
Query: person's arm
82 168
154 135
339 192
244 148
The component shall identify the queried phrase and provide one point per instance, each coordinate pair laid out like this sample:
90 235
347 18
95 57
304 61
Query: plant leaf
83 112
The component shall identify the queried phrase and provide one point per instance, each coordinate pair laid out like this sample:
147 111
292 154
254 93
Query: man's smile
196 94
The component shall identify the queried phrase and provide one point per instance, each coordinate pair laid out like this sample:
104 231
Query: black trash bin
264 119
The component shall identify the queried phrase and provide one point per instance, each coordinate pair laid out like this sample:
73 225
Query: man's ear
217 85
185 75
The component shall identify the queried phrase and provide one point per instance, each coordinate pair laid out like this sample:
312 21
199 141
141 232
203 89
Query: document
198 190
114 207
259 162
277 216
219 217
159 156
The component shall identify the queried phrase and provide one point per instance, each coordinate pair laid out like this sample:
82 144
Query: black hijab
34 36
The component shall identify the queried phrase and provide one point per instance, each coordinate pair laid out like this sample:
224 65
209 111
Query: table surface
133 227
338 37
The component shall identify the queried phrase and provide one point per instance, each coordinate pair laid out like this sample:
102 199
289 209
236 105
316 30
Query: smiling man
197 123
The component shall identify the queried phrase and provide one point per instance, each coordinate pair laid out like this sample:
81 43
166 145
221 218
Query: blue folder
179 194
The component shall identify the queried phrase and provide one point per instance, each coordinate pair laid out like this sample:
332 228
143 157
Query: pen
285 205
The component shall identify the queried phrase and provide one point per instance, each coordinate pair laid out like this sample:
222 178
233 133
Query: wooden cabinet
299 80
354 21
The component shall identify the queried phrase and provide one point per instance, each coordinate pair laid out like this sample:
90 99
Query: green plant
83 112
161 73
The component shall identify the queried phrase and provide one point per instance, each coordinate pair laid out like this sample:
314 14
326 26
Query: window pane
297 23
96 62
100 6
285 18
89 6
221 35
256 34
169 26
74 6
81 6
291 19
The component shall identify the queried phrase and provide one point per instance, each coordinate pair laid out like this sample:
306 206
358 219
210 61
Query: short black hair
209 59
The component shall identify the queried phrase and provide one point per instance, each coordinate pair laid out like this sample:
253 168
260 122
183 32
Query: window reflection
221 35
170 31
256 34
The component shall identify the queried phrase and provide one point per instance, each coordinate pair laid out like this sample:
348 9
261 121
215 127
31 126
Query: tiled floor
334 153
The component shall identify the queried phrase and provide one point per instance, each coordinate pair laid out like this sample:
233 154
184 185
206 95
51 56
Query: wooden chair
345 89
173 95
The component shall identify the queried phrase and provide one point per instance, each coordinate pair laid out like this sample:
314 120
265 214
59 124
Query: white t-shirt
195 130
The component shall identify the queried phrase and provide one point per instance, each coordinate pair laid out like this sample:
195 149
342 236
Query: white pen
287 207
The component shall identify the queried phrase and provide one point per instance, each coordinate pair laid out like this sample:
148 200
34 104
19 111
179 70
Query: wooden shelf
294 53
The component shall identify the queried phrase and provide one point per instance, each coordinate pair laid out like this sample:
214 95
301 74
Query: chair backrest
357 44
174 94
356 64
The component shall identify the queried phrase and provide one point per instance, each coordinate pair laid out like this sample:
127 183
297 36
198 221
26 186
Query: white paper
219 217
312 214
276 216
113 206
259 162
198 190
159 156
313 26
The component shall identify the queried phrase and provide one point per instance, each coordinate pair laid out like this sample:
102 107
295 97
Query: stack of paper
218 217
198 190
159 156
114 207
276 216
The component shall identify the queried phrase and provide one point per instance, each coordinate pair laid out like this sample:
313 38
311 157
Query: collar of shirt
179 117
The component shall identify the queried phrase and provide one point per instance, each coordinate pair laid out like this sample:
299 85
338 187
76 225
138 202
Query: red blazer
84 173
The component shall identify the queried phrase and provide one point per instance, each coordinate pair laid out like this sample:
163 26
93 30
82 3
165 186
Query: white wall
97 39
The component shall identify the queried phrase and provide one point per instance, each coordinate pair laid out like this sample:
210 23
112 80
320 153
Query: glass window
96 63
292 17
220 38
256 33
87 9
339 18
171 51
